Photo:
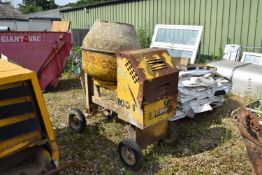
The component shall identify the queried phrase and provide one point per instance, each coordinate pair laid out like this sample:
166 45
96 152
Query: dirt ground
209 144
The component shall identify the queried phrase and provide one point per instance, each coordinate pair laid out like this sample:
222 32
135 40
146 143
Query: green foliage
226 137
196 147
30 6
208 58
83 2
71 65
144 36
229 41
260 109
248 98
203 59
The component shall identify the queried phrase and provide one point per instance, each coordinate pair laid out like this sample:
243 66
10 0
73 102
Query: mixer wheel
108 114
76 120
130 154
53 167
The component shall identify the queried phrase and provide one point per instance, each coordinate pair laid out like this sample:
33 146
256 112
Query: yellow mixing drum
99 47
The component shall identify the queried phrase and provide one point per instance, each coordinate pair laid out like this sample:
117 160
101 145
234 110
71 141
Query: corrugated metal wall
224 21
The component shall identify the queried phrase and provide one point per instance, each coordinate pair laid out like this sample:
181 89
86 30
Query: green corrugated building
224 21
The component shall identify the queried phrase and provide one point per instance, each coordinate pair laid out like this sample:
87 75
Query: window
254 58
179 40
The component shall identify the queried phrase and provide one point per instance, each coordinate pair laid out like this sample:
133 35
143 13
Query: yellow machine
144 96
27 142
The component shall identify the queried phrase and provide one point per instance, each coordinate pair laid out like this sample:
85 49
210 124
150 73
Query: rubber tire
82 120
108 116
173 134
53 167
136 150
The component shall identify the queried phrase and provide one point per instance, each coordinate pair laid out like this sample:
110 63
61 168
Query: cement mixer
99 48
138 86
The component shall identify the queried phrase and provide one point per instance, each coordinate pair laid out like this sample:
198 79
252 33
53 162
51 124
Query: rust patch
100 66
157 77
248 124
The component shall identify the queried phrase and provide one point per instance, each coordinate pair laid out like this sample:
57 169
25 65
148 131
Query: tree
83 2
30 6
79 2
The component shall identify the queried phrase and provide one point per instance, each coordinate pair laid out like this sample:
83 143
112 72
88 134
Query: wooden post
87 94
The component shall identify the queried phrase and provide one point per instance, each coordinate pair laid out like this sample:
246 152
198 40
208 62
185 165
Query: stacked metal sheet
200 91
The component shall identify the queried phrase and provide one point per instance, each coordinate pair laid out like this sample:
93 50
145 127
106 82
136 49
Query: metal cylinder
245 77
100 66
99 47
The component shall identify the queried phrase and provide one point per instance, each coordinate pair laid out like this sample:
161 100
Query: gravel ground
210 143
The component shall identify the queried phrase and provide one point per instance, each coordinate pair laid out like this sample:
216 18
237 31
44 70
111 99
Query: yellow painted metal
127 92
147 114
99 48
14 101
16 144
157 107
143 65
14 74
140 74
106 85
101 66
7 86
168 60
16 119
152 133
158 129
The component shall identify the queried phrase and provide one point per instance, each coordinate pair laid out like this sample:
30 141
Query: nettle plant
144 36
260 108
248 98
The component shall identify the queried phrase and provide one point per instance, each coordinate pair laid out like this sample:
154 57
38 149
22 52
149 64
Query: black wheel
130 154
76 120
108 114
173 134
53 168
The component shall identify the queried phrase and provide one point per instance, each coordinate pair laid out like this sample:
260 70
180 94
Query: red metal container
43 52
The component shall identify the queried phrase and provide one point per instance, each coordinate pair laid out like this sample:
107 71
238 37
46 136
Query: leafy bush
70 65
144 36
209 58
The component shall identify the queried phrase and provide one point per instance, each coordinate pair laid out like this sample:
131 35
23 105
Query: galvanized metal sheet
246 78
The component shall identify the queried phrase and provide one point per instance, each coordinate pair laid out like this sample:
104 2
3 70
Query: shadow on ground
65 85
203 133
91 152
96 152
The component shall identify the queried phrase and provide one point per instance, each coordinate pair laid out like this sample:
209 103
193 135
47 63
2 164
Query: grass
209 144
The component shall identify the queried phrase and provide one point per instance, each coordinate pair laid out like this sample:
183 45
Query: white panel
250 57
179 40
